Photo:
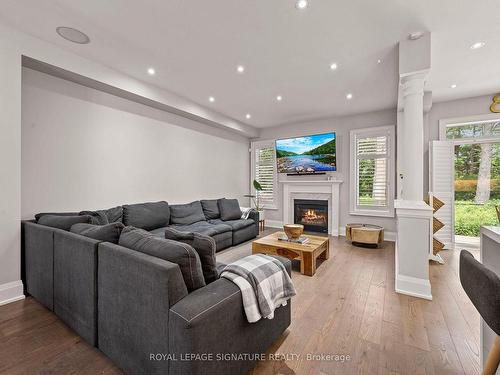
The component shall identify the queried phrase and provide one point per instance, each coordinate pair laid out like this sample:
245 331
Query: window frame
355 209
256 145
464 121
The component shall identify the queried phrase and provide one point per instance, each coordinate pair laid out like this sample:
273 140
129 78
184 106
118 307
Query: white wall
85 149
342 126
479 105
10 171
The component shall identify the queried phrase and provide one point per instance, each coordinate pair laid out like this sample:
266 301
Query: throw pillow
210 208
146 216
204 246
63 222
229 209
103 217
176 252
108 233
185 214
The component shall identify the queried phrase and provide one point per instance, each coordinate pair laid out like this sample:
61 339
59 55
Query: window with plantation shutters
264 171
372 171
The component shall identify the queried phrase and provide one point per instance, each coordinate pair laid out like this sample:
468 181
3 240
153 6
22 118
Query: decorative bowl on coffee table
293 231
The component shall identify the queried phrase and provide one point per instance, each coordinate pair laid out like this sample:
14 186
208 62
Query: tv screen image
309 154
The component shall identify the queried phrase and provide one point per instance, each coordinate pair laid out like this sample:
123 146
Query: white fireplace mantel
323 187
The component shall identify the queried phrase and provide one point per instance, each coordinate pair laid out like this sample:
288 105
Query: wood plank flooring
353 311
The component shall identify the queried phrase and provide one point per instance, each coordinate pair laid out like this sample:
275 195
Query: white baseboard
11 292
388 236
414 287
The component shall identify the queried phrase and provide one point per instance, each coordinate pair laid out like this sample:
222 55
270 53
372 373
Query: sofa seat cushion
108 233
186 214
204 227
148 216
234 224
176 252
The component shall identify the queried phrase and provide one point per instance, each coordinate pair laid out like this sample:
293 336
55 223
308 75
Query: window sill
373 213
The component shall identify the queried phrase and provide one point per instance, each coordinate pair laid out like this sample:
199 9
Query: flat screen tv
307 155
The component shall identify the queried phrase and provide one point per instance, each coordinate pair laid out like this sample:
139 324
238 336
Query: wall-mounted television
307 155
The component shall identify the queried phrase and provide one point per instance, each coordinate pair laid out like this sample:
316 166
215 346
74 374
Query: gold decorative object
364 234
495 106
436 225
293 231
437 245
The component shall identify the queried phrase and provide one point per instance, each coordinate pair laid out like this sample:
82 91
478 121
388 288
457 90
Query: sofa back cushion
229 209
210 208
107 233
63 222
176 252
185 214
39 215
204 246
148 216
103 217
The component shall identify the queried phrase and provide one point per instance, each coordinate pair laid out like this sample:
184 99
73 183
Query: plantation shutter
441 185
264 172
372 170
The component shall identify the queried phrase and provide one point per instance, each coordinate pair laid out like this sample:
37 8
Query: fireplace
312 214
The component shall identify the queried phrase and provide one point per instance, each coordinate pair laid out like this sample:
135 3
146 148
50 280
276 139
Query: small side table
262 225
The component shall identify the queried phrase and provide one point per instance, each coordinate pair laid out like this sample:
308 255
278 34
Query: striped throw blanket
264 284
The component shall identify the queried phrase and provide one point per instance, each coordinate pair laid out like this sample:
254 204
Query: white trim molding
389 155
11 292
412 248
414 287
330 188
457 121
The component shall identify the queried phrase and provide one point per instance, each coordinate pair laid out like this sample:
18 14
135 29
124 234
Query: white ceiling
195 47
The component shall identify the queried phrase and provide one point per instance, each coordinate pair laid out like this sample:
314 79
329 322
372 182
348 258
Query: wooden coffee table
307 253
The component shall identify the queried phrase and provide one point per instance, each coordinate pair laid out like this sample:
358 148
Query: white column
11 287
412 145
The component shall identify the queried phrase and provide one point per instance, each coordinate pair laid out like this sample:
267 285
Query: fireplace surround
313 189
312 214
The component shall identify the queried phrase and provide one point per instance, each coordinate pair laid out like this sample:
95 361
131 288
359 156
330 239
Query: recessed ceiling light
333 66
211 99
478 45
279 98
349 96
379 61
151 71
301 4
453 86
240 68
248 116
73 35
416 35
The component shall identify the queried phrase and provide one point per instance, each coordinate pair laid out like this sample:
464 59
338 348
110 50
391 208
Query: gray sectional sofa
137 308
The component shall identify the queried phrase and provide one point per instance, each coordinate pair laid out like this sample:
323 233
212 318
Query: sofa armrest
211 320
135 292
254 215
75 282
38 258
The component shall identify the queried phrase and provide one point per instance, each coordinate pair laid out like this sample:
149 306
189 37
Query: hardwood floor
354 311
